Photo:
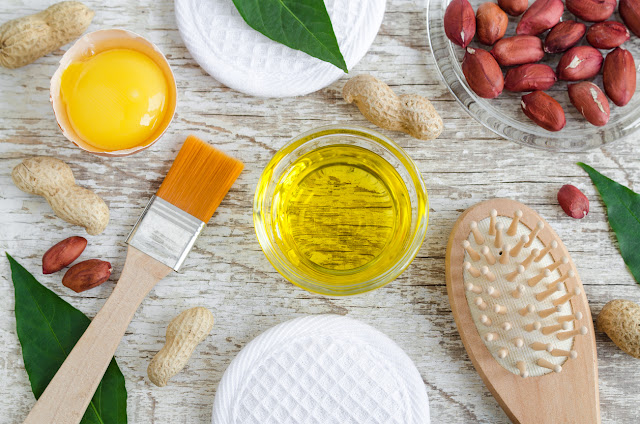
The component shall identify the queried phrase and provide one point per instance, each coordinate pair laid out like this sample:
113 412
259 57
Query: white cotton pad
322 369
247 61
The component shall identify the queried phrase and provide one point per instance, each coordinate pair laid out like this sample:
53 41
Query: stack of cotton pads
324 369
247 61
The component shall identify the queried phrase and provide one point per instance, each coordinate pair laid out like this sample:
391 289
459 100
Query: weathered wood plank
227 271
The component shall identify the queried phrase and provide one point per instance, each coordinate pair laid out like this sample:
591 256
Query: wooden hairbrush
522 314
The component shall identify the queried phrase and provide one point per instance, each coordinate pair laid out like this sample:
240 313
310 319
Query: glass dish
504 116
338 283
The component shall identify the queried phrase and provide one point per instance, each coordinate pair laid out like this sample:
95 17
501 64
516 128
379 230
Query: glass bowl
503 114
298 268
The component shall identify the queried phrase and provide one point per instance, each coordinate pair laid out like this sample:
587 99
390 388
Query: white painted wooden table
228 273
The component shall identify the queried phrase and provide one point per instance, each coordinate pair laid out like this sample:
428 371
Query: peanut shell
26 39
53 179
620 320
184 333
409 113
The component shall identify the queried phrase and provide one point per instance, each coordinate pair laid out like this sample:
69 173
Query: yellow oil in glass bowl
340 211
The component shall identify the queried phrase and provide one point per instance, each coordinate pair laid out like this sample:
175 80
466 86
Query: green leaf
623 209
48 328
300 24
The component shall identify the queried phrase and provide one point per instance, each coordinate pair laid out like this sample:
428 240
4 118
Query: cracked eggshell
97 42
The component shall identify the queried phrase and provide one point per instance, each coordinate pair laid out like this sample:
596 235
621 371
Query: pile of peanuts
483 72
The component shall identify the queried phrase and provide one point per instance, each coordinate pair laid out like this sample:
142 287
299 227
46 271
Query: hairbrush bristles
513 228
199 178
520 295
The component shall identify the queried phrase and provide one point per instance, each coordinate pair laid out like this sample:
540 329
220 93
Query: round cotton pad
322 369
247 61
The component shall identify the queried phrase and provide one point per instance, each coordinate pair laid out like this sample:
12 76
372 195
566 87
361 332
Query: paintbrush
197 182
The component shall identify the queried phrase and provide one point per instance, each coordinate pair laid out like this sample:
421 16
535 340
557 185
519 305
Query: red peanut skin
86 275
544 110
619 76
483 73
590 102
62 254
542 15
578 63
514 7
607 35
530 77
564 36
592 10
630 13
518 50
460 22
573 202
491 23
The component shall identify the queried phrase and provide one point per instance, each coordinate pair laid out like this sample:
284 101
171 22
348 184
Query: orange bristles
199 178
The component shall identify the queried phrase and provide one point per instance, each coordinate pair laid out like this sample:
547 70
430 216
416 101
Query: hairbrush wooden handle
67 396
524 320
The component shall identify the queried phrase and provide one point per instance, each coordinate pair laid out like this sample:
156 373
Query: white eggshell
97 42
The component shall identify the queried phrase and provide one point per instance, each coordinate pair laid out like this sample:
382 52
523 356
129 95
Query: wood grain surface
227 271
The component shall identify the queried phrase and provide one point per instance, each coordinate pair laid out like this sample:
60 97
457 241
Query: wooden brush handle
67 396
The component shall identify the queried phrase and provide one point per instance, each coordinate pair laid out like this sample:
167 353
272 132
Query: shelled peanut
564 36
544 110
607 35
521 53
86 275
62 254
579 63
590 102
82 276
619 76
491 23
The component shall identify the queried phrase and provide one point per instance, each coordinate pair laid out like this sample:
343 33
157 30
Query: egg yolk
116 99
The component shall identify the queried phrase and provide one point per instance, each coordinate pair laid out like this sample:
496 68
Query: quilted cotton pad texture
322 369
241 58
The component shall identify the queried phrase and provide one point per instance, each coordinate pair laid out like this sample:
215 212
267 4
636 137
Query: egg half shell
92 44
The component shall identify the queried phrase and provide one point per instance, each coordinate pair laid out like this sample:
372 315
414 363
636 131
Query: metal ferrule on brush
165 232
